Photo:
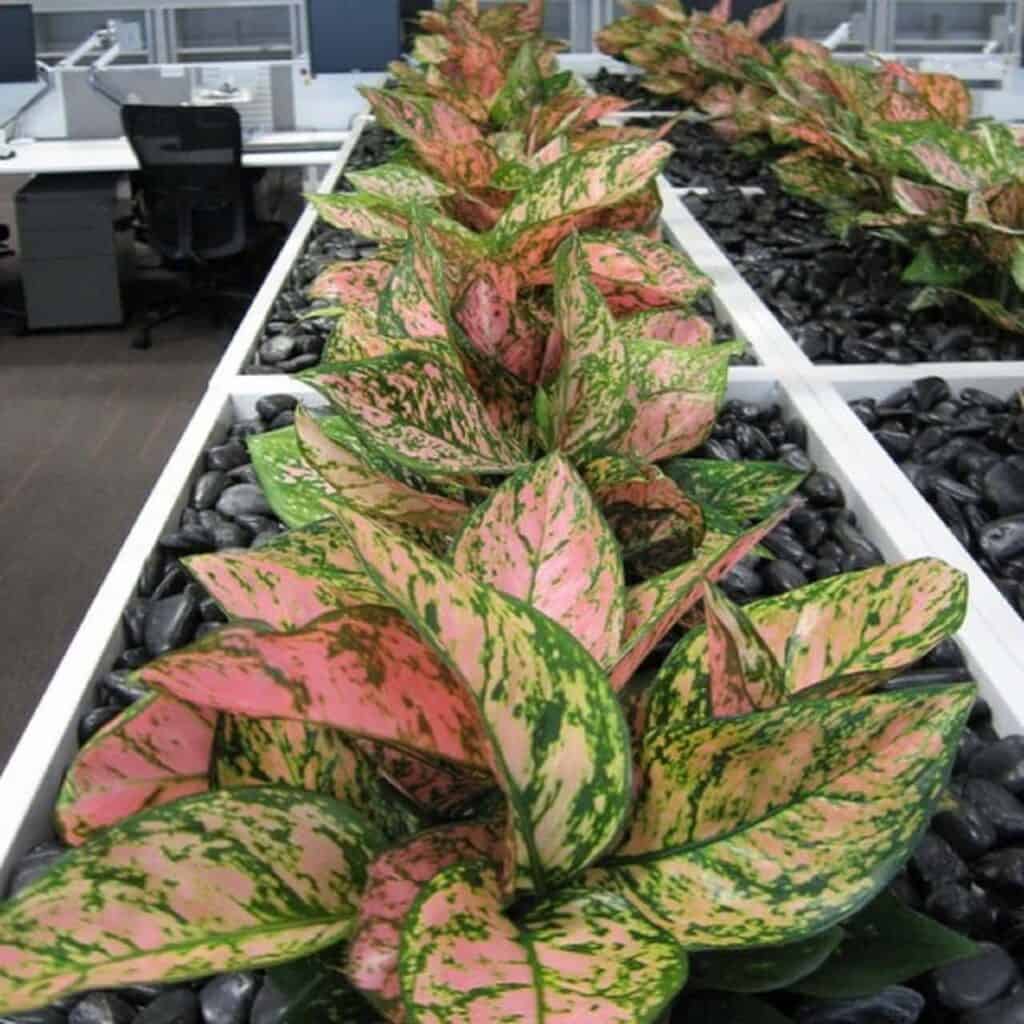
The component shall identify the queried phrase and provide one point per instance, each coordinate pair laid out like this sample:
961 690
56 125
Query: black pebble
269 406
1003 809
822 490
781 575
34 865
935 862
228 998
227 456
208 487
171 623
974 981
960 906
243 500
1003 538
102 1008
1005 1011
968 832
1001 762
1004 486
178 1007
893 1005
92 721
1002 870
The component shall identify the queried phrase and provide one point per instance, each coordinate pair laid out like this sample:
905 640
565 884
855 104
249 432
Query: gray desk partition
92 116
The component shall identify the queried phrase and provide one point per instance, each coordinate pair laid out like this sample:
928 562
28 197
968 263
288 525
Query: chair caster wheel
142 340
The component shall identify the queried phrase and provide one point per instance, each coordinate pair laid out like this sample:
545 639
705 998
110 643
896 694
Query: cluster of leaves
428 762
883 148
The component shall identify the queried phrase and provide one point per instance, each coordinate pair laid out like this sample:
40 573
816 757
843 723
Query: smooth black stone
1004 488
961 907
975 981
1001 762
242 429
178 1007
50 1015
152 572
945 654
121 688
230 535
299 362
244 475
856 544
893 1005
257 524
866 410
243 500
210 610
228 998
133 657
968 832
784 544
1002 808
929 391
282 419
981 711
822 490
1002 870
133 618
227 456
970 743
190 539
1003 538
975 396
796 433
92 721
936 863
1005 1011
175 581
278 348
796 458
928 440
207 488
34 865
898 443
205 629
954 489
743 583
725 451
780 576
171 623
102 1008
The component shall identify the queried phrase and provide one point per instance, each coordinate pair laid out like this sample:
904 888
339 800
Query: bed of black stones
968 872
965 453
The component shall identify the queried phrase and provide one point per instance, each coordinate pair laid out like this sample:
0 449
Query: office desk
85 156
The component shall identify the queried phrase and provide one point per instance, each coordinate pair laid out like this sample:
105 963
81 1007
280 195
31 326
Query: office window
233 33
60 32
933 25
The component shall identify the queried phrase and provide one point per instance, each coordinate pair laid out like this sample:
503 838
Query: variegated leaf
774 826
559 744
838 636
400 181
355 336
741 491
765 17
656 605
667 325
313 989
541 538
154 752
290 581
276 751
922 200
396 878
363 214
565 192
368 490
743 674
359 282
414 301
584 955
214 883
676 393
418 413
589 396
363 671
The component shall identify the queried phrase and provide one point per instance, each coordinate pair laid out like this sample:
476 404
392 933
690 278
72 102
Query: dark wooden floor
86 425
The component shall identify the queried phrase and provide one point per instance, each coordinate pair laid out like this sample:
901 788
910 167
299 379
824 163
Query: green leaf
313 989
558 740
211 884
885 944
586 954
766 968
297 493
940 265
719 1007
523 83
743 491
1008 319
775 826
1017 266
400 181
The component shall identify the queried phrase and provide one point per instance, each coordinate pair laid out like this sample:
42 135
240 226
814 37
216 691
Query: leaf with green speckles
156 751
400 181
313 989
589 395
368 490
522 86
656 605
742 490
777 825
278 752
210 884
355 336
678 327
290 581
357 281
566 193
842 635
676 393
583 955
363 670
418 413
397 877
743 673
558 741
655 523
541 538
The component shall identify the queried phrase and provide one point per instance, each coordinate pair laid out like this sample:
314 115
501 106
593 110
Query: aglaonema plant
757 795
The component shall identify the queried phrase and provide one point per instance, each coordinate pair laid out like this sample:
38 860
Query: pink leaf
669 325
359 282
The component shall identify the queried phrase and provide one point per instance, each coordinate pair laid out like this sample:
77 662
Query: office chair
196 203
9 312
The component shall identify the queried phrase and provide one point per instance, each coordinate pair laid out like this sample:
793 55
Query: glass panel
239 32
60 32
924 25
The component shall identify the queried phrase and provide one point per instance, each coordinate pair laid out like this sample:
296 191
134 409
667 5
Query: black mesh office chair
196 202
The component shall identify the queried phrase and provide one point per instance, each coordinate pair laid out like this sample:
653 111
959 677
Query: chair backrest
192 184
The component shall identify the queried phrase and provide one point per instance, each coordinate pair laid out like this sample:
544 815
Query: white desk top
69 156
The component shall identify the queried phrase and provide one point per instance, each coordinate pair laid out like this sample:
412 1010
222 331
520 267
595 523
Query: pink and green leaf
774 826
559 746
541 538
583 955
359 282
363 671
214 883
400 181
670 325
396 879
154 752
589 402
355 336
418 413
